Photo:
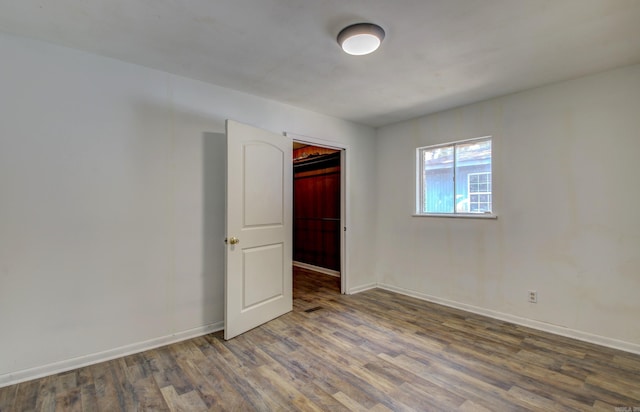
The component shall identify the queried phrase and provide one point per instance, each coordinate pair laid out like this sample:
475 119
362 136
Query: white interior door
258 278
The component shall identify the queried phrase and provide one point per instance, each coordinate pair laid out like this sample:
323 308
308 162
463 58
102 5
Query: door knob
233 240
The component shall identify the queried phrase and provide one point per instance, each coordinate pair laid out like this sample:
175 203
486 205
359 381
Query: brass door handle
232 241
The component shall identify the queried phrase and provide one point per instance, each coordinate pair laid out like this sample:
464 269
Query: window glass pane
473 177
438 180
456 178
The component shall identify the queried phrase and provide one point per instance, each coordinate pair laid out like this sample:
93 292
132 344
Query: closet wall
316 210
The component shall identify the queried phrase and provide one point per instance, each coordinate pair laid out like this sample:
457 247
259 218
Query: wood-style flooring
374 351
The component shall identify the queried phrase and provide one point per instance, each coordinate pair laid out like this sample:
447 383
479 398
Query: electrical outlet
533 296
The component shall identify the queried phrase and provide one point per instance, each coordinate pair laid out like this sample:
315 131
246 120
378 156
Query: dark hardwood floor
374 351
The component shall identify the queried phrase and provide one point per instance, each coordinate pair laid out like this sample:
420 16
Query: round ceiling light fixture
360 38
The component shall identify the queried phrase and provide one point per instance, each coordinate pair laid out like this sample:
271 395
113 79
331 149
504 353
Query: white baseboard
362 288
319 269
74 363
534 324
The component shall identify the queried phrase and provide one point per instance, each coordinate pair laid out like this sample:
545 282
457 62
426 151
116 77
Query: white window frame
419 193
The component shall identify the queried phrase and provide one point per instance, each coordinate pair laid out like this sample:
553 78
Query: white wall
566 192
112 203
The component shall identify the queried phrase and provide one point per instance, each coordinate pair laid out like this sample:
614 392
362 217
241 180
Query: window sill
460 215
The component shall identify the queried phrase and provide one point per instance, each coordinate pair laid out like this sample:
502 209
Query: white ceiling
437 54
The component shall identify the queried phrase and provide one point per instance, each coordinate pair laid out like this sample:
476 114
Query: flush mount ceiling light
361 38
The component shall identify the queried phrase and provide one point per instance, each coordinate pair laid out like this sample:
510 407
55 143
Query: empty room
319 205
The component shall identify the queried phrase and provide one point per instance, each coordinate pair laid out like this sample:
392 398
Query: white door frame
344 210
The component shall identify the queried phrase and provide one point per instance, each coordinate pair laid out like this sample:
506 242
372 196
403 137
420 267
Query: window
479 192
455 178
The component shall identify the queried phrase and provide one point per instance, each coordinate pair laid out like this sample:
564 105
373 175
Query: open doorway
318 206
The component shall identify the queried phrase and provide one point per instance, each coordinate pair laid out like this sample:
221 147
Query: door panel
258 283
264 175
263 270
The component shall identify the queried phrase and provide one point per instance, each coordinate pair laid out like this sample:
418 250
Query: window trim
419 190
